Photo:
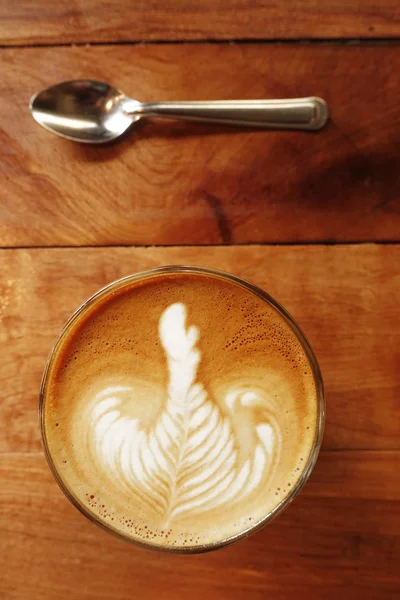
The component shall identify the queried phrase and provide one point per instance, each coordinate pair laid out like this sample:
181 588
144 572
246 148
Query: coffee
180 409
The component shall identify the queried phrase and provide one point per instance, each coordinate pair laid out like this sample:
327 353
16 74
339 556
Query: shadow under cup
58 456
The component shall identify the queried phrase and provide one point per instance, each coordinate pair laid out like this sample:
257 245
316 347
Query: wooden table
312 218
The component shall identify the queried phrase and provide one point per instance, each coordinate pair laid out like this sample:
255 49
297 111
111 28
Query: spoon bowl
84 111
94 112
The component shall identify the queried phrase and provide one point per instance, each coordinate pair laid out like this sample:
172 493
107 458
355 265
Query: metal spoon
94 112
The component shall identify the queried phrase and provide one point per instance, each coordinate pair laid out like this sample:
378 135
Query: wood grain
171 183
54 22
346 299
339 539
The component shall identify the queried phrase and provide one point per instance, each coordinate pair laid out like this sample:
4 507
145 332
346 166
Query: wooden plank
346 298
174 183
339 539
52 22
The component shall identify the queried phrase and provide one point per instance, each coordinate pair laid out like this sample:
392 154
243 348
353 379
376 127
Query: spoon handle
297 113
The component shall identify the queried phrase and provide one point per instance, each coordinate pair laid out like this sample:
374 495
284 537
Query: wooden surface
222 198
339 539
173 183
346 299
54 21
345 525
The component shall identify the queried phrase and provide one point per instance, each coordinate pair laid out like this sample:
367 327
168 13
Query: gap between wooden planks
54 22
179 183
345 298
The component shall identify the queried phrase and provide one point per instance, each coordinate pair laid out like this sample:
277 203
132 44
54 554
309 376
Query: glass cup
155 273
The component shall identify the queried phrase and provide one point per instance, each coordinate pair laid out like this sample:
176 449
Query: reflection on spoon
94 112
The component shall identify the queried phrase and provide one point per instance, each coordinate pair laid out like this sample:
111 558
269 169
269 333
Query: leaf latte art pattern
192 458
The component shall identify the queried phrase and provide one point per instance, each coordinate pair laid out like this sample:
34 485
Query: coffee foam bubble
177 410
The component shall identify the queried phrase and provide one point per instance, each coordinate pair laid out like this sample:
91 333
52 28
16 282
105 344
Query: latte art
189 460
179 410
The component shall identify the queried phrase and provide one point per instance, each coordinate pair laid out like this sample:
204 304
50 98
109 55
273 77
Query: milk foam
187 462
180 413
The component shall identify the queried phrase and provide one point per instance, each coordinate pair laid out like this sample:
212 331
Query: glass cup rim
265 296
